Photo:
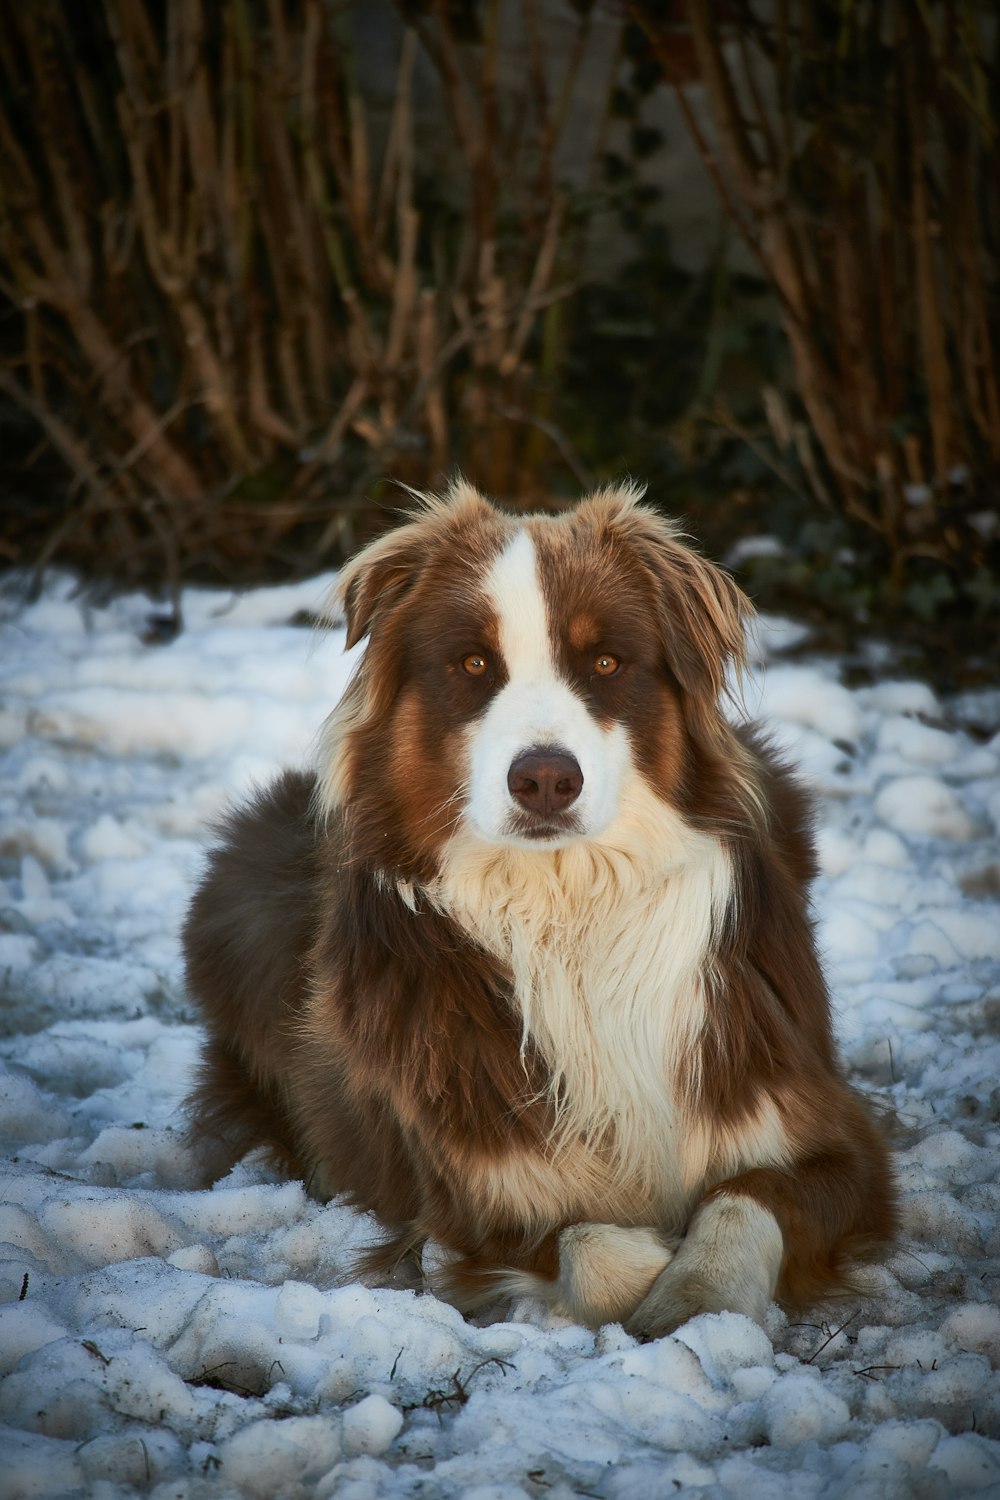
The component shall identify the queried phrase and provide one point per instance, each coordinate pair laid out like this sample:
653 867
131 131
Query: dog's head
521 672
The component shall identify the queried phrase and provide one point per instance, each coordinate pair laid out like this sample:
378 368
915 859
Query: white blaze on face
536 708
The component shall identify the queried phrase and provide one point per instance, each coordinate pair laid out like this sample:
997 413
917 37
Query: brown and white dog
527 967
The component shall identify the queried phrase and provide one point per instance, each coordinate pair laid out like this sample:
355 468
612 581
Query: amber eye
476 665
606 665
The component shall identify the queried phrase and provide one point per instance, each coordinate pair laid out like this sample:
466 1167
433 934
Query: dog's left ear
704 614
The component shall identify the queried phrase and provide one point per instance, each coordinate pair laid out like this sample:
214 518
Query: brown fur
373 1046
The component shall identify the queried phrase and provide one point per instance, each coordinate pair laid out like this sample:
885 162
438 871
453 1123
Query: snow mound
160 1336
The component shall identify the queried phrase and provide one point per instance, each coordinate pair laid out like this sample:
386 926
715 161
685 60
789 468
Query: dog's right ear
379 576
375 579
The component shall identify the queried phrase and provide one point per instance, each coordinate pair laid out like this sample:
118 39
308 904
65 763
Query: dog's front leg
792 1230
728 1261
605 1270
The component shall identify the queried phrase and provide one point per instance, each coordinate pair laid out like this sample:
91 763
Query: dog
526 965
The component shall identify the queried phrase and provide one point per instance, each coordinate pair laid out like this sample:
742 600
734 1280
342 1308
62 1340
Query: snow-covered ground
163 1339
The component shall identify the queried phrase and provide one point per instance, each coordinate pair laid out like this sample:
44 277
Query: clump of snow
371 1426
922 804
803 696
801 1408
975 1326
770 635
167 1336
919 744
263 1460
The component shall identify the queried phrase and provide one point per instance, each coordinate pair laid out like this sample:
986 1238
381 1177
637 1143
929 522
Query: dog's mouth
543 829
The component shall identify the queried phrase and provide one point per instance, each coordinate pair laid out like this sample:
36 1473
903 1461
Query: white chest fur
610 942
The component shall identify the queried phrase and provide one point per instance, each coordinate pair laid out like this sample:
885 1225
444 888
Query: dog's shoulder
252 917
788 827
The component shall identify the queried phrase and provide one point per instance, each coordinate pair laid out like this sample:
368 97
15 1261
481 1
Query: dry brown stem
883 272
224 281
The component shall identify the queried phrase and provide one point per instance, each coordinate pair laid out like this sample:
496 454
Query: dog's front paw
606 1269
728 1262
676 1295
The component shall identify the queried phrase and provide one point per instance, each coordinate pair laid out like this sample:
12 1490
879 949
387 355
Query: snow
923 804
164 1338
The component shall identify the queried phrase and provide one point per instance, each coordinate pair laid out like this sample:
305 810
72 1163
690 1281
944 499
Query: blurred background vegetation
259 258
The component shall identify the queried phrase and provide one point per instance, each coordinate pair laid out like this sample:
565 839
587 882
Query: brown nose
545 781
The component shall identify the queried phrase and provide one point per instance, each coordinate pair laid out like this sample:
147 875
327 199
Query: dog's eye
606 665
476 665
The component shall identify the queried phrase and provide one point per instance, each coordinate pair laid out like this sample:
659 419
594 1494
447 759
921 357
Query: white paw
606 1269
728 1261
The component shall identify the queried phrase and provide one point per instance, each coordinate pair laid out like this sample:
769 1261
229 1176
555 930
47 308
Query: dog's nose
545 781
